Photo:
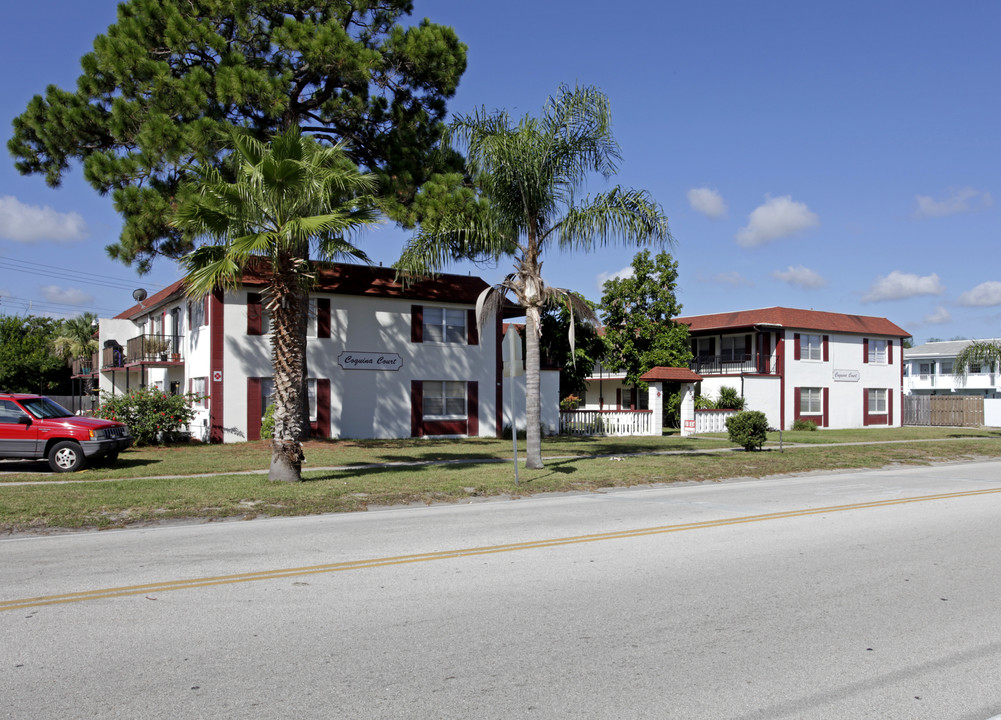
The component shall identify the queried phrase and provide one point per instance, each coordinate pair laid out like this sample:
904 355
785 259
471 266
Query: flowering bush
149 412
570 402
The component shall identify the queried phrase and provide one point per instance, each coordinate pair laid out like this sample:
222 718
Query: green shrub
268 423
672 410
809 425
748 429
704 403
729 399
149 412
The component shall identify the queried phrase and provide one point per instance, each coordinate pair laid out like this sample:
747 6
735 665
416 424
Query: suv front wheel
66 456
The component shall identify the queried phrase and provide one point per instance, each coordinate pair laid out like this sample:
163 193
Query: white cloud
708 202
959 201
777 218
33 223
732 278
986 294
898 285
66 296
802 276
626 272
941 316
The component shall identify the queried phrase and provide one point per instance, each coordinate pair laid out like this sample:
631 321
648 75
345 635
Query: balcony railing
153 349
84 365
733 364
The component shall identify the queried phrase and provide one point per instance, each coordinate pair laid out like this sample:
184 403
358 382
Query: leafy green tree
576 360
166 83
638 313
293 199
27 361
528 176
75 337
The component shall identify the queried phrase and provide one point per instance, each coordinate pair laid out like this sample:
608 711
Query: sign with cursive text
350 360
847 375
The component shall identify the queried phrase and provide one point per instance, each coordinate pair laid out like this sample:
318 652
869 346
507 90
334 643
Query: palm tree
528 177
978 353
76 337
291 198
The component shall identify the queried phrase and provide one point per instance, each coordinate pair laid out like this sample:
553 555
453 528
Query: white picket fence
712 421
607 422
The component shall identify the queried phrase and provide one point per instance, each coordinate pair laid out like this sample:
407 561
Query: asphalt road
850 595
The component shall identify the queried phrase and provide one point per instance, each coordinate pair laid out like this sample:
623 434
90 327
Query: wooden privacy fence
943 410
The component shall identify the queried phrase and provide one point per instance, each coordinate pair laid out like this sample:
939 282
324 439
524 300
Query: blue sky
835 156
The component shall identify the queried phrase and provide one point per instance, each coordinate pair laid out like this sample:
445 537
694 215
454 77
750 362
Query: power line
52 271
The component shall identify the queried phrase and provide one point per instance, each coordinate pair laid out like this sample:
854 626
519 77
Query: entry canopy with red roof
781 317
670 374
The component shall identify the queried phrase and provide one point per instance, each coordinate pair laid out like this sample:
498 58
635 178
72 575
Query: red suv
33 427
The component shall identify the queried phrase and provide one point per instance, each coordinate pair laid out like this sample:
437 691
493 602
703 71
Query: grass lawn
150 484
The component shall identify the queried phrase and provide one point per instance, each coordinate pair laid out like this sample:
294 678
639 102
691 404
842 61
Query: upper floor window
926 368
877 351
196 310
732 348
811 347
444 325
311 319
946 367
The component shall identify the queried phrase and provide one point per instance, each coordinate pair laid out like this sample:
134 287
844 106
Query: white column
687 409
656 404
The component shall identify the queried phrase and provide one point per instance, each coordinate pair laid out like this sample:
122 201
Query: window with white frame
198 387
877 351
811 401
926 368
268 396
945 367
811 347
444 399
877 401
444 325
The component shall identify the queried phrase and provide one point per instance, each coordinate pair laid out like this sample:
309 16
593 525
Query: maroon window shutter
472 334
416 408
323 318
322 408
865 406
865 350
618 398
795 346
889 352
827 397
889 406
253 408
796 405
826 357
253 313
417 323
472 408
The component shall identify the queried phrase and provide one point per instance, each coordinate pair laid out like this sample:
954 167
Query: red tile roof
670 374
348 279
794 318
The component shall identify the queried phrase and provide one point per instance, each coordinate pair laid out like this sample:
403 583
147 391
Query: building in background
930 369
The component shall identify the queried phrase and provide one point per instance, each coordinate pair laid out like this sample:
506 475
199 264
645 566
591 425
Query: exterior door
18 438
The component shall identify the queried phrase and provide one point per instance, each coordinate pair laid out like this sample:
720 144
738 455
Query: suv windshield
44 408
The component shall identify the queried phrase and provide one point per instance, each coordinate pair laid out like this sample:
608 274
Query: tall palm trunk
288 353
533 415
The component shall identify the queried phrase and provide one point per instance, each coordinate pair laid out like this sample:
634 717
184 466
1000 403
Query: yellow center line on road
464 552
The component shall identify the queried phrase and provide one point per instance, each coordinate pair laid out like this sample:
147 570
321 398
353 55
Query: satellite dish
139 295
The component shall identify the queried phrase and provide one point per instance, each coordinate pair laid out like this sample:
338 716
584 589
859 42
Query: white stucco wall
549 390
364 403
845 353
